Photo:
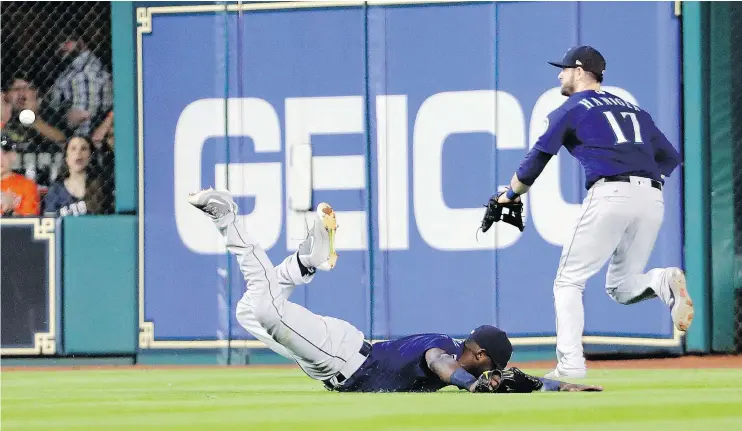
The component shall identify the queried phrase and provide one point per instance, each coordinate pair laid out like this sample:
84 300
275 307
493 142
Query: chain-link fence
56 63
725 163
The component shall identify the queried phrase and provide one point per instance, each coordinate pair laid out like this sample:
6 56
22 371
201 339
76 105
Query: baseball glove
486 382
510 213
514 380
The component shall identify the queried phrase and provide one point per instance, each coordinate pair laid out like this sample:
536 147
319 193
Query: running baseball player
625 158
335 352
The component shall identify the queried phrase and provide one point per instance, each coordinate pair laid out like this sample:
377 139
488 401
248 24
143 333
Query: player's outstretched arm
547 146
574 387
514 380
526 175
450 371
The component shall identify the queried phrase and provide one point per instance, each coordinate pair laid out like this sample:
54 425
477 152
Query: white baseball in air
27 117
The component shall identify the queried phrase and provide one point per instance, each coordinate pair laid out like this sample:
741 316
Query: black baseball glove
488 382
510 213
514 380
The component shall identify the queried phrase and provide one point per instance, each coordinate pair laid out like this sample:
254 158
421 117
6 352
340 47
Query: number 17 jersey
608 136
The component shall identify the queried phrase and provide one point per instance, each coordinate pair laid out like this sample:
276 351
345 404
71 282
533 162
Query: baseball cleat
555 374
681 306
318 249
329 221
216 204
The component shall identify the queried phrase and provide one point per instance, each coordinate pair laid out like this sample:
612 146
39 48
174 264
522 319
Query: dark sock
303 269
648 293
550 385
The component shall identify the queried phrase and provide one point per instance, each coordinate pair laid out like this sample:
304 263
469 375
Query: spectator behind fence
79 189
82 93
39 144
19 197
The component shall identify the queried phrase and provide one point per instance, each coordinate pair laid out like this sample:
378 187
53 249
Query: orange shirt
27 195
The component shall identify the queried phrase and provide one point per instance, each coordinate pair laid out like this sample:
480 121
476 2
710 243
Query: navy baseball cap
586 57
495 342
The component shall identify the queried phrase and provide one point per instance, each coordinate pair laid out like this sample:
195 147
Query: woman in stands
79 189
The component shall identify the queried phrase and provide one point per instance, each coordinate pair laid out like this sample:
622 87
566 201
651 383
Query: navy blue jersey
400 366
61 202
608 136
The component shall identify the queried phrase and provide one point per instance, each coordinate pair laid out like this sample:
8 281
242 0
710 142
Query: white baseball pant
321 346
619 222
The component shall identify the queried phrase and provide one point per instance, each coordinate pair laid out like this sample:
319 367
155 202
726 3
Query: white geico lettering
307 116
391 153
441 115
202 120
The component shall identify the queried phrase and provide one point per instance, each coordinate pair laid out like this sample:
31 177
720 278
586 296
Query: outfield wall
415 114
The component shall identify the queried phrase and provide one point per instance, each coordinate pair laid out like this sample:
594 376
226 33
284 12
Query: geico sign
439 116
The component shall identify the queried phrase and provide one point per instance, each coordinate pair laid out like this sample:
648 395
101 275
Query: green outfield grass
283 399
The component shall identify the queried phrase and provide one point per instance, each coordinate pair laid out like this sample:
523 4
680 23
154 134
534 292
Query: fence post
696 162
124 105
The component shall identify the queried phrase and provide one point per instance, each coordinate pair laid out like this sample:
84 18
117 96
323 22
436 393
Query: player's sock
661 284
303 268
641 287
549 385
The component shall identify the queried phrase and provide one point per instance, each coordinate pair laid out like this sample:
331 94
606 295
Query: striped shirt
85 85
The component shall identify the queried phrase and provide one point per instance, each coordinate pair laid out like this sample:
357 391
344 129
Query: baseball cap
7 143
495 342
585 57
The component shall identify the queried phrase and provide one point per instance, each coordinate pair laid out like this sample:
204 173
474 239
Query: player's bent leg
669 284
626 283
593 239
322 346
254 263
288 276
247 320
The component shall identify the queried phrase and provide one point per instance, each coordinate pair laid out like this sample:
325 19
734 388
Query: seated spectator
79 189
83 93
39 144
20 197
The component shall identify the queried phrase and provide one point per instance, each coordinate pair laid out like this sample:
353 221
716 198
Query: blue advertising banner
415 115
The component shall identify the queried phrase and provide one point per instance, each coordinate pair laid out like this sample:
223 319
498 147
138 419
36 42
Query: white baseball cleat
681 306
217 204
555 374
318 249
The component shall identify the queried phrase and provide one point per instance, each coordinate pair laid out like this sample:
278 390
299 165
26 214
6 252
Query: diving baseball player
335 352
625 158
